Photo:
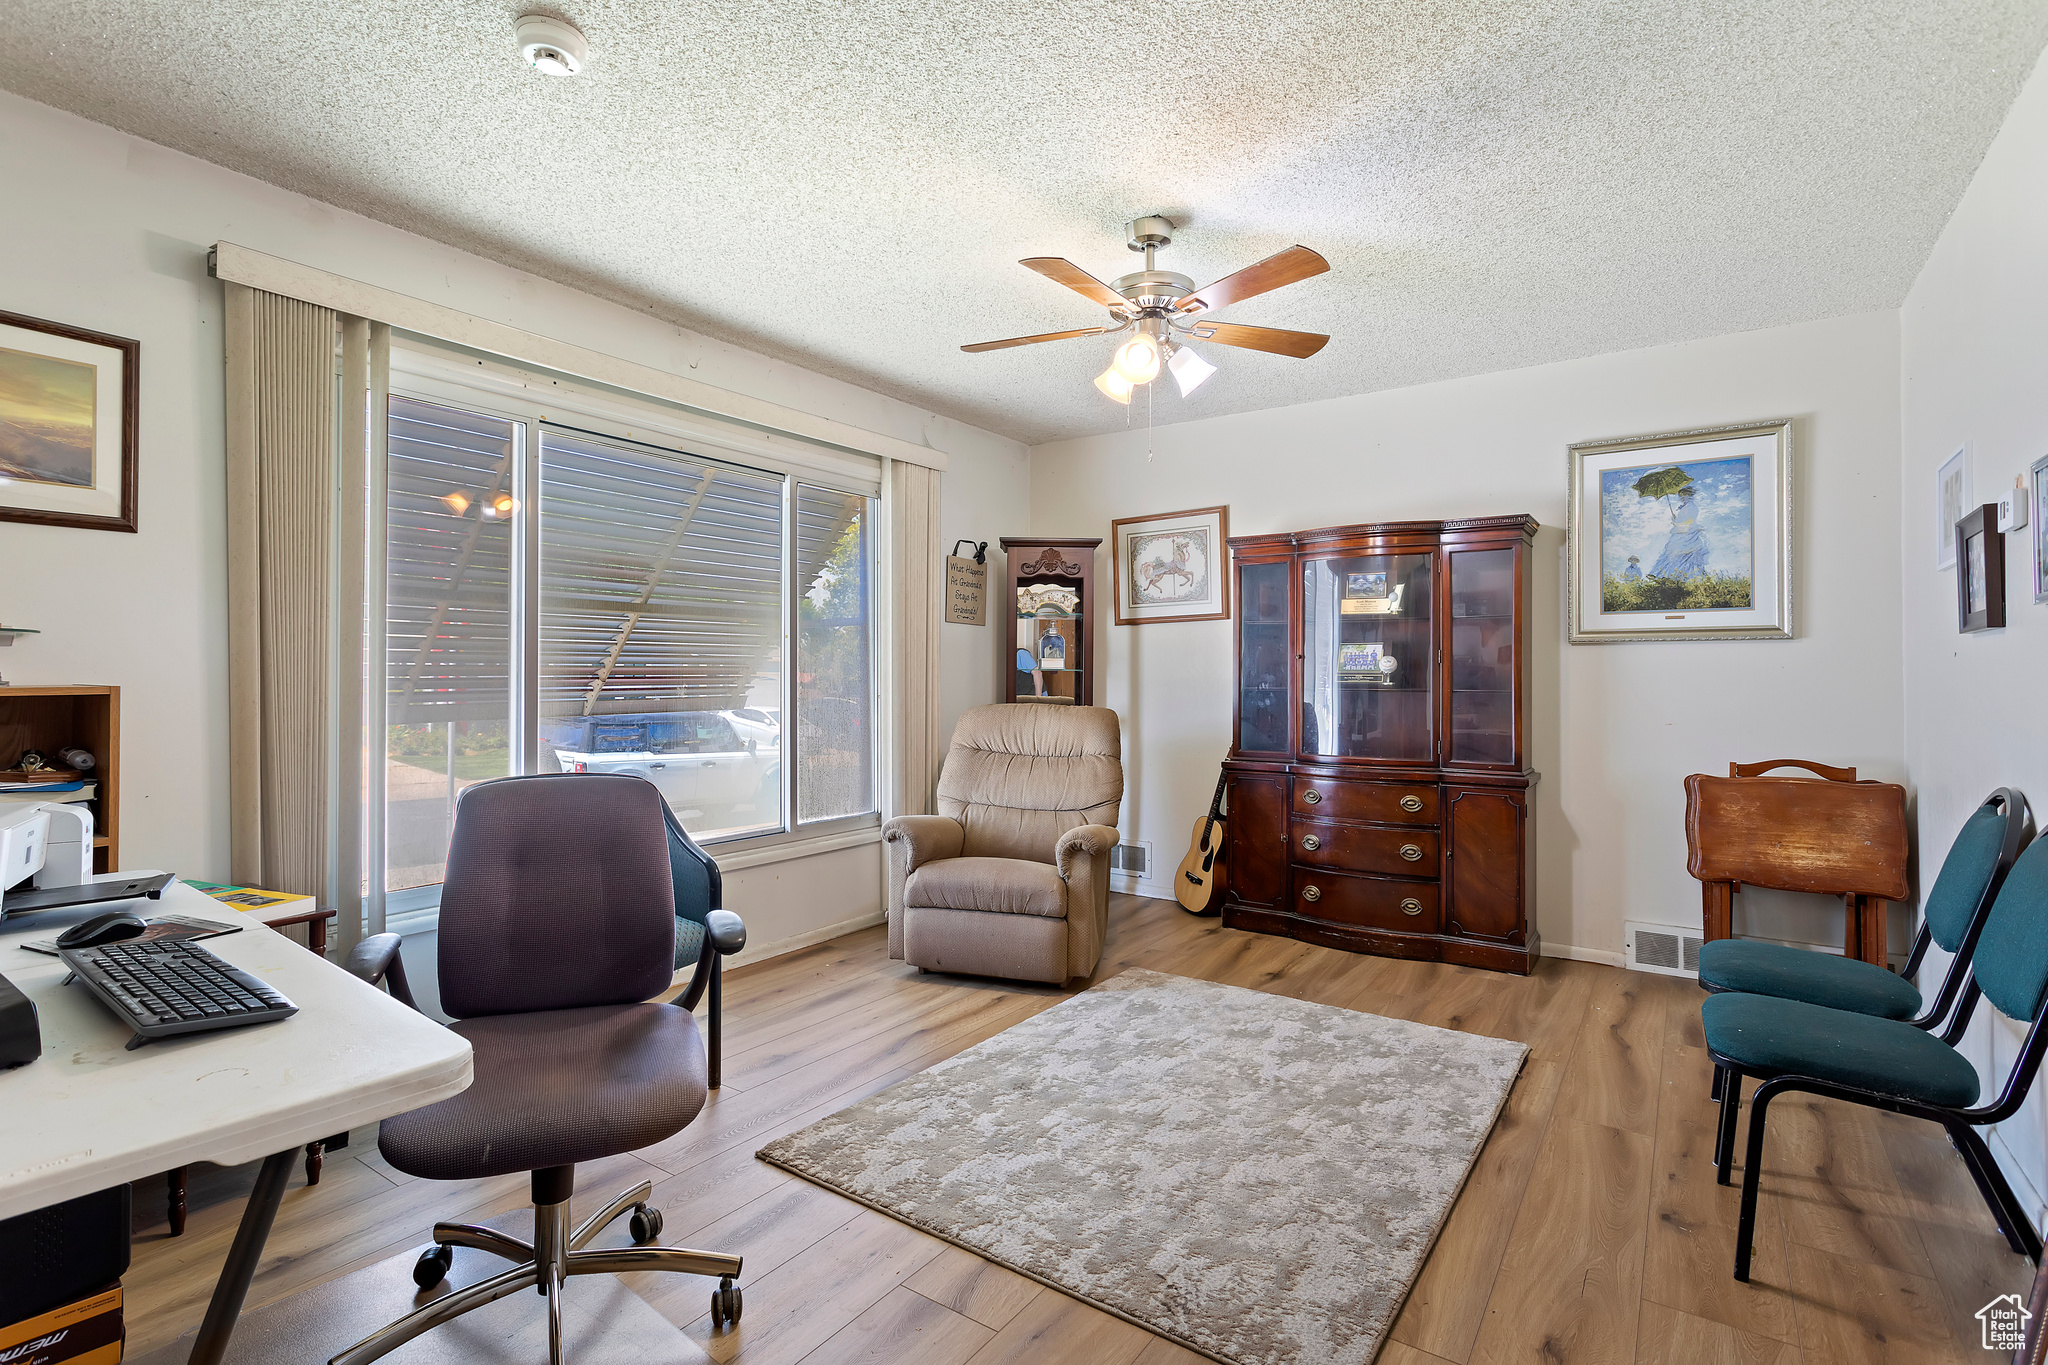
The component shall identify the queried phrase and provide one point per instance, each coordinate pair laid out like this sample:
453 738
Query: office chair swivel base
555 1254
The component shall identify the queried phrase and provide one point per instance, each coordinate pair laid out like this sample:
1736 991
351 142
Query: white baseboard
761 952
1577 954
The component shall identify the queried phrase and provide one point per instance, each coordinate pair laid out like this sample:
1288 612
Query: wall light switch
2012 509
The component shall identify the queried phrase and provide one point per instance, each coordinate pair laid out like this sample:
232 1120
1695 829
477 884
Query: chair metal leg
447 1308
546 1266
623 1260
1720 1079
1752 1174
1724 1132
606 1216
479 1238
1991 1183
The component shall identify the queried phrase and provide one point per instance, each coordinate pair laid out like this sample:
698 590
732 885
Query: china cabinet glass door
1366 658
1482 656
1263 661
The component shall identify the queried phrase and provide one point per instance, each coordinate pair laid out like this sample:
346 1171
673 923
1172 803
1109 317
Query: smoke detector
549 45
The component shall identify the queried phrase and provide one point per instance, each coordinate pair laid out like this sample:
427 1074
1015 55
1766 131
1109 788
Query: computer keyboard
164 987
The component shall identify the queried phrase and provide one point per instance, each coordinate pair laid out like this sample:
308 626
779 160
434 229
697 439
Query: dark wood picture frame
131 409
1219 552
1980 542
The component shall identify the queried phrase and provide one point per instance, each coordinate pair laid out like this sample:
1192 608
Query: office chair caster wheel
432 1266
646 1223
725 1303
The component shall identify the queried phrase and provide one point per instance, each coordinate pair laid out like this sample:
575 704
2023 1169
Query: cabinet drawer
1387 803
1374 902
1351 848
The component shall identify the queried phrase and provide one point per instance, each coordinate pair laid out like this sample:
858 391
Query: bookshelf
85 717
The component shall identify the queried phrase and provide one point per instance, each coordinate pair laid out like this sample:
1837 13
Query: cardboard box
87 1331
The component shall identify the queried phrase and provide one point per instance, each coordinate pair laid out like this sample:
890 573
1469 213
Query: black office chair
558 924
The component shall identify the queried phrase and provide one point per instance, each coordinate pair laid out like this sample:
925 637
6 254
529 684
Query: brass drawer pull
1311 893
1411 906
1311 797
1411 803
1310 842
1412 852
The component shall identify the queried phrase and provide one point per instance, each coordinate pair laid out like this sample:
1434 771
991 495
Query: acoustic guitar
1198 885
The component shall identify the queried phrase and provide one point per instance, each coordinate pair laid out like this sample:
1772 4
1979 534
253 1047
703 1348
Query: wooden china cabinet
1379 796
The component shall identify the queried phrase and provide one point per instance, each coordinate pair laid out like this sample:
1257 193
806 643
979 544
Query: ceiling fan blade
1285 267
1062 271
1043 336
1277 340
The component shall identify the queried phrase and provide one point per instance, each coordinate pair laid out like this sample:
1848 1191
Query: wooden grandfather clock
1051 611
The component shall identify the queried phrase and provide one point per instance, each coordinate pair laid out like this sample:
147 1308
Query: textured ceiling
849 184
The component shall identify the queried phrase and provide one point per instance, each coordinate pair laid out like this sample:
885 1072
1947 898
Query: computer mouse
111 927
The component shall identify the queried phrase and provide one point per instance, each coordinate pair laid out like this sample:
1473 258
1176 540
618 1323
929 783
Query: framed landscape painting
68 403
1685 535
1171 567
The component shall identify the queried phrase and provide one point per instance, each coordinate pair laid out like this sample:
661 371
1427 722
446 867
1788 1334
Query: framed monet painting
68 402
1171 567
1685 535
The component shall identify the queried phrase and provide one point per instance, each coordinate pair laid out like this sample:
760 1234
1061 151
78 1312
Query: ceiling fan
1160 303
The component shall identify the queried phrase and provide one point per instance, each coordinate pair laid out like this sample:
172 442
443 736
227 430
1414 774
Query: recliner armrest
726 931
1093 840
928 838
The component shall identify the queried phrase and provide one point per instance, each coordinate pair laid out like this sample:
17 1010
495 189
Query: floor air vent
1664 948
1132 860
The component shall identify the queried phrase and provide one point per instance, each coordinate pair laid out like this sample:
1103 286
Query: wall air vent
1131 860
1664 948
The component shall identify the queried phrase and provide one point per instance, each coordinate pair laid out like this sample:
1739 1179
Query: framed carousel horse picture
1684 535
1172 566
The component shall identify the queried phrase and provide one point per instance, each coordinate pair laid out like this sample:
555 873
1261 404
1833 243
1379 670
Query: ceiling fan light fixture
1189 369
1114 385
1137 360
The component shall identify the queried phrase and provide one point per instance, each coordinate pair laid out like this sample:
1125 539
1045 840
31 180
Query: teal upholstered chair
1888 1063
1953 916
706 933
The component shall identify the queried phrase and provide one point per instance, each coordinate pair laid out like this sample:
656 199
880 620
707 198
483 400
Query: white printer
44 846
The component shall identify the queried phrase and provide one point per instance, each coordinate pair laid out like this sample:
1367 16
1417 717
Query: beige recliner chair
1011 877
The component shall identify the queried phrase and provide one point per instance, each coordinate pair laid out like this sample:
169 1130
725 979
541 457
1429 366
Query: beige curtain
918 573
295 596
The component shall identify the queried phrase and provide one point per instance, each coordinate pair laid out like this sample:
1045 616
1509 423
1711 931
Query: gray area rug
1255 1177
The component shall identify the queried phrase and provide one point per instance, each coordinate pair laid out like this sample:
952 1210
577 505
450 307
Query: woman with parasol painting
1685 550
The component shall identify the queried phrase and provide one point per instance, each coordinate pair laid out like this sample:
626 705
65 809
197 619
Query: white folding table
90 1115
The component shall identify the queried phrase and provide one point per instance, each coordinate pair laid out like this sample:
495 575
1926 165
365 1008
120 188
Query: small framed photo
1684 535
68 404
1361 662
1372 584
1171 567
1980 565
1951 502
2038 533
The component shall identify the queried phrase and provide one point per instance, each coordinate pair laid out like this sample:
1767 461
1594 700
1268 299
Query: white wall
1974 365
109 232
1615 727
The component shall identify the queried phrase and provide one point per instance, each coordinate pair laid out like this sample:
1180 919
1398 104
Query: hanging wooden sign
966 590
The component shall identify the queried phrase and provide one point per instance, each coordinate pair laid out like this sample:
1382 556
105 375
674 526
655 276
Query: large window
571 600
448 637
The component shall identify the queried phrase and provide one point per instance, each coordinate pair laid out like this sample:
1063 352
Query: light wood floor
1591 1229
